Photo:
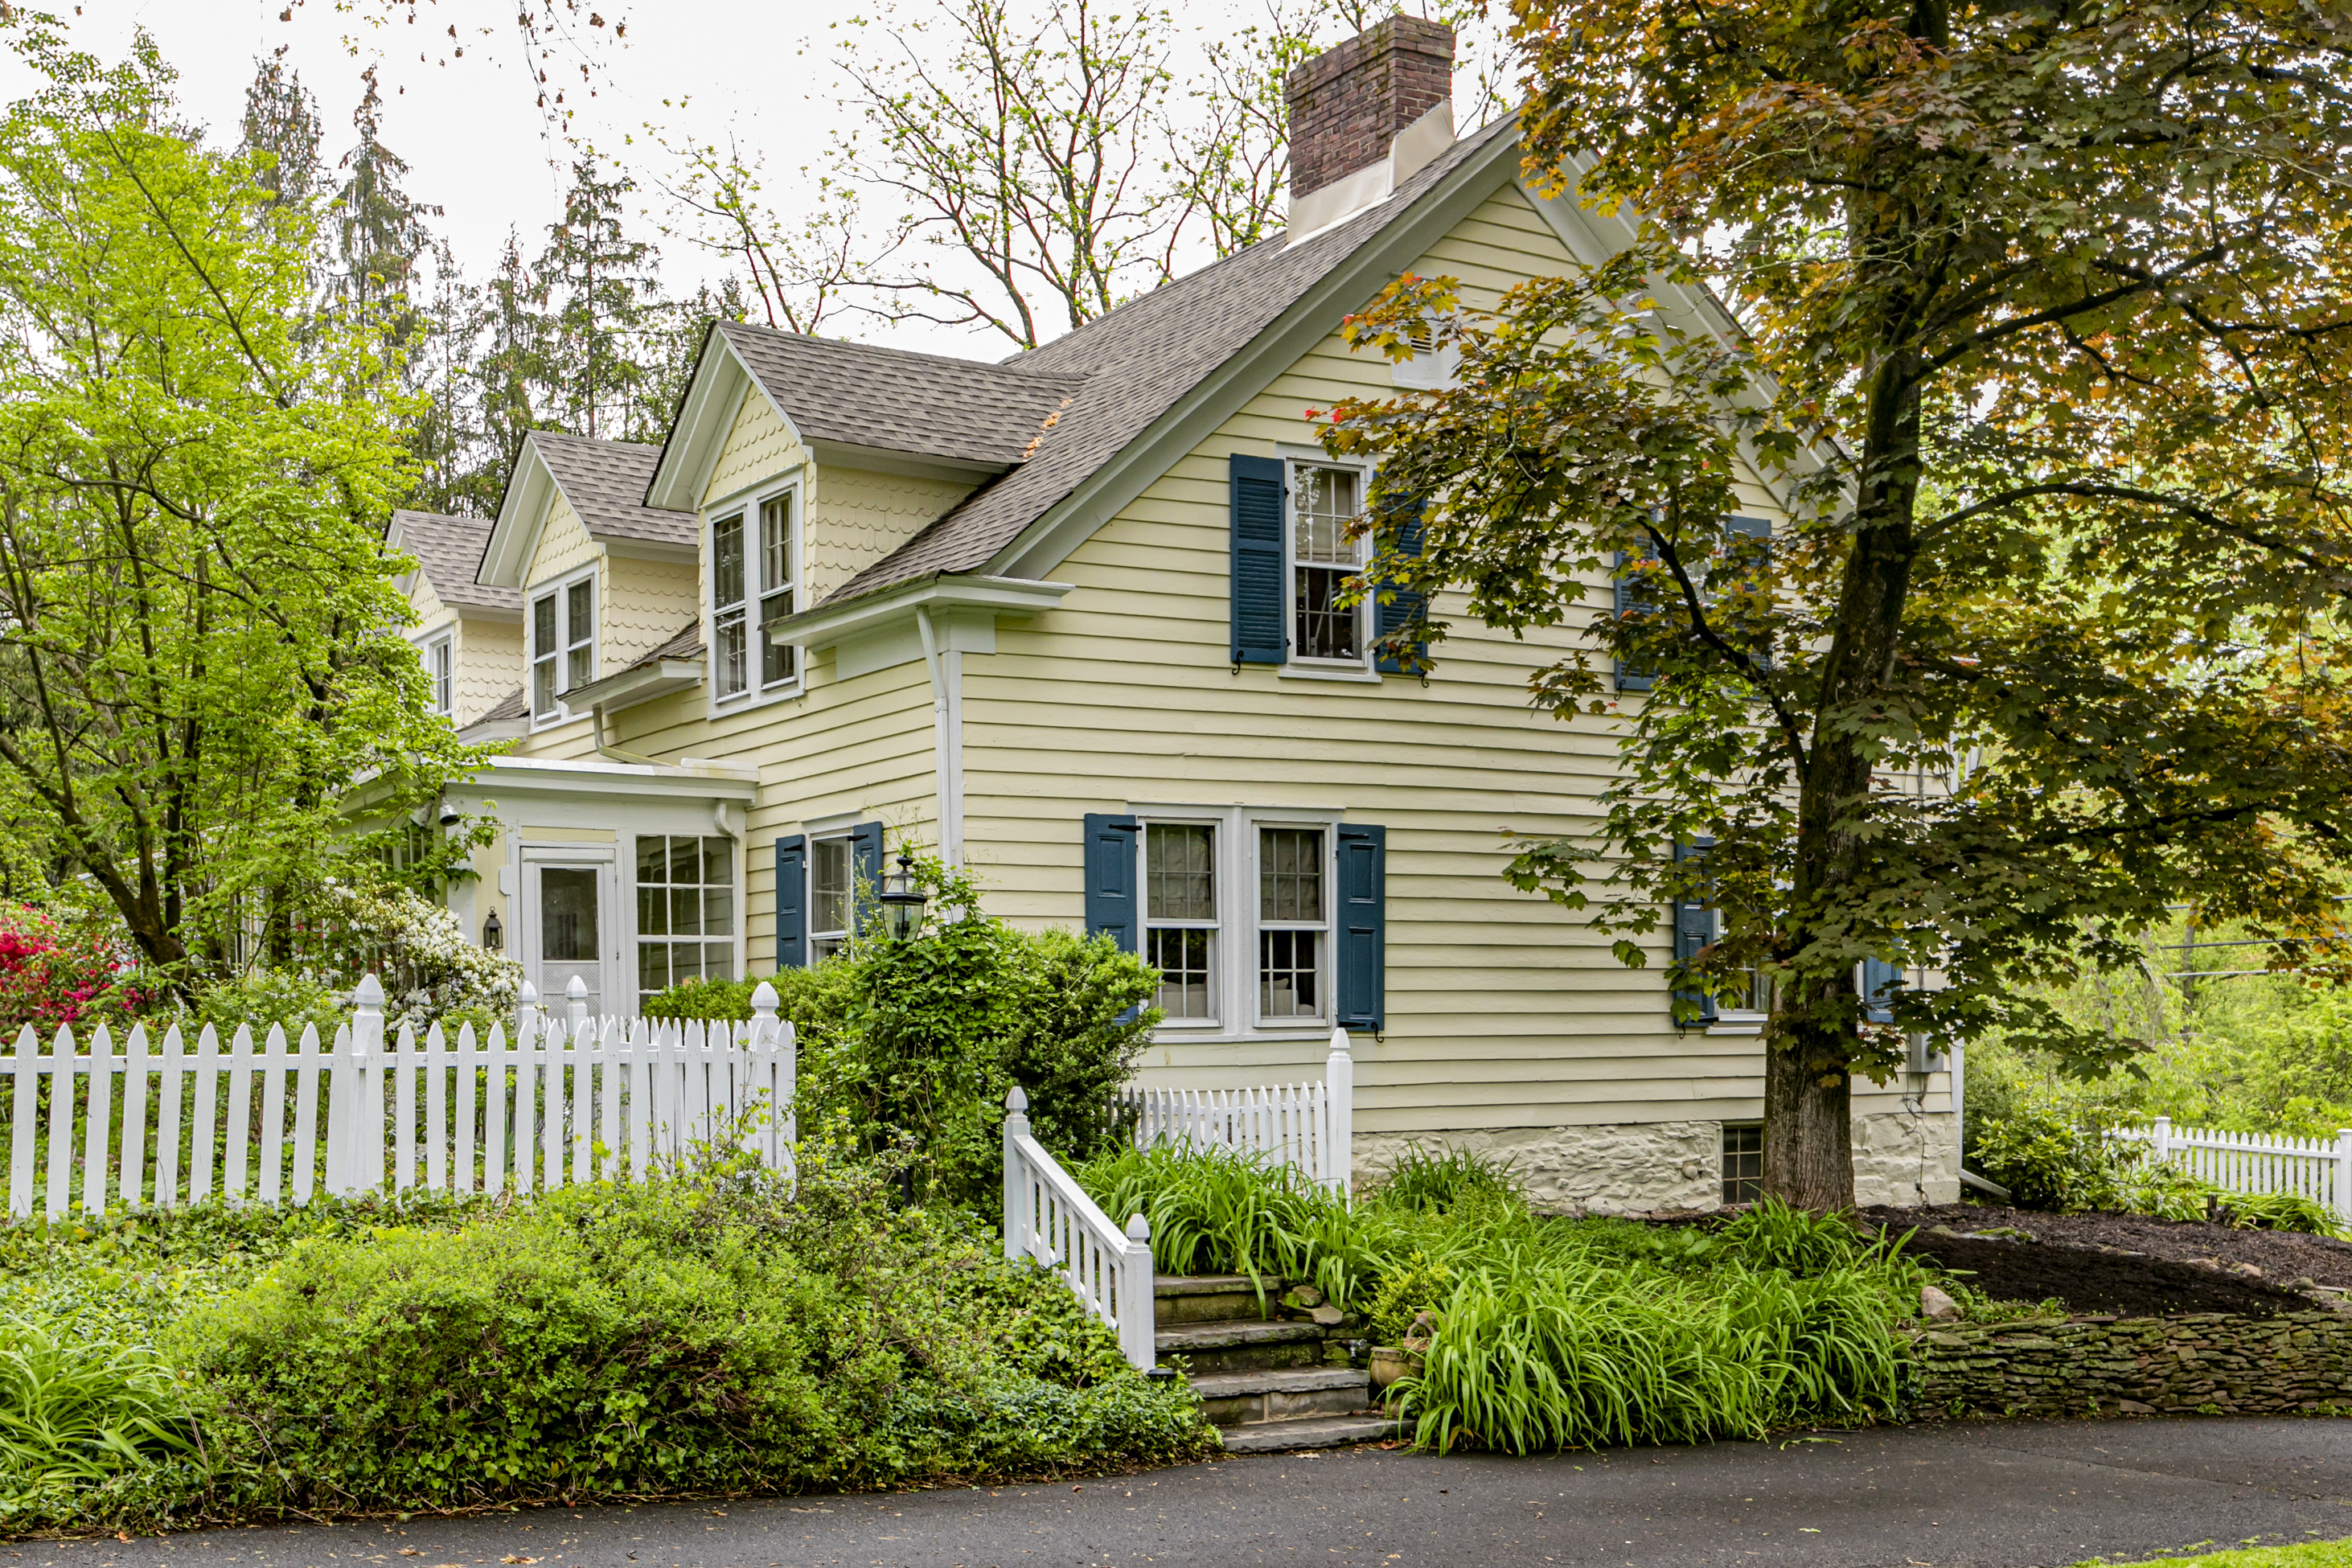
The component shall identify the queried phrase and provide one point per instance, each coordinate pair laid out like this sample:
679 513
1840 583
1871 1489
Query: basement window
1743 1162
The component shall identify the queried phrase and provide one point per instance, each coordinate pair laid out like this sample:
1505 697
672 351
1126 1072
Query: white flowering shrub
420 953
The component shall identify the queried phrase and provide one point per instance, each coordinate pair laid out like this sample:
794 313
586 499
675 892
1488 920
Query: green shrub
79 1412
707 1000
2282 1210
1415 1284
1426 1179
2048 1159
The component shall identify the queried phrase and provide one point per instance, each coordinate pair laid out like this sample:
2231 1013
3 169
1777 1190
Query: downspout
596 731
945 665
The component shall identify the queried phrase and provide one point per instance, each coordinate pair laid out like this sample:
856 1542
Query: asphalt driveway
2005 1495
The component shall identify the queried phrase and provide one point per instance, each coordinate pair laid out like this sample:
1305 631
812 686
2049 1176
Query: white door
569 911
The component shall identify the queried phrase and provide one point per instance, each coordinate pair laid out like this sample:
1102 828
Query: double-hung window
754 580
1294 923
1179 917
833 890
686 909
1323 501
440 675
562 643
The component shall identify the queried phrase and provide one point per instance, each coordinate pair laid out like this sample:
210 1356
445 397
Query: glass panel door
568 936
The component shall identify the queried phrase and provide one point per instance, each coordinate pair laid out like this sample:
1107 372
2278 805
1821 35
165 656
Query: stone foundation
1633 1168
2205 1364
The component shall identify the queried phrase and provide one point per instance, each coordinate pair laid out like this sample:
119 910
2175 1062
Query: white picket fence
1309 1125
2319 1169
570 1100
1048 1219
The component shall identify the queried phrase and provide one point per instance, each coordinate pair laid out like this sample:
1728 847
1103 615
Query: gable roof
449 550
861 395
605 483
1144 360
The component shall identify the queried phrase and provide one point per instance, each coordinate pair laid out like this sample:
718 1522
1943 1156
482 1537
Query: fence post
2159 1138
765 1044
526 1009
2344 1174
351 1164
1339 1103
1138 1329
1016 1174
575 1002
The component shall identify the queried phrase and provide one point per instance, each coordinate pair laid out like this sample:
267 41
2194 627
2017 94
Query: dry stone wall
2202 1363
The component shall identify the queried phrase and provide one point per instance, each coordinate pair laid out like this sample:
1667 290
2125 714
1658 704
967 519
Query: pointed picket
494 1109
555 1114
404 1111
274 1064
436 1105
610 1082
461 1144
132 1172
240 1114
639 1109
529 1057
202 1141
24 1109
98 1122
61 1112
169 1119
306 1115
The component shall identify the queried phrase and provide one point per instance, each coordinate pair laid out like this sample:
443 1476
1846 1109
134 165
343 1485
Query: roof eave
521 508
826 626
637 684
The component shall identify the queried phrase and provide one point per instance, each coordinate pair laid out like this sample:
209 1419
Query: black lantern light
494 933
902 904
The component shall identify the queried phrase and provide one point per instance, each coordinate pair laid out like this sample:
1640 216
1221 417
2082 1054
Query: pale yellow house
1068 618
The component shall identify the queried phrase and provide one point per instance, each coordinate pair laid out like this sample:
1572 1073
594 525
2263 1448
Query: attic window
562 643
754 561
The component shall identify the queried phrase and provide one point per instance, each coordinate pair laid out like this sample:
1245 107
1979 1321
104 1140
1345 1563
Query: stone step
1240 1345
1252 1398
1322 1432
1209 1297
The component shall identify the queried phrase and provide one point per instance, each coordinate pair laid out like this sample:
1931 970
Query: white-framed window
686 909
1238 909
833 888
1321 558
1180 917
754 578
1294 923
440 673
562 626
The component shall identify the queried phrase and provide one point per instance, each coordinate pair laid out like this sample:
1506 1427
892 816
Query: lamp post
902 904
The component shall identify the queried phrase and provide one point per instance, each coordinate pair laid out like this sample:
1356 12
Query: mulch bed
2123 1264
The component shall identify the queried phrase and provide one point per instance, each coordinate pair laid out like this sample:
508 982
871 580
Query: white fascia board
519 777
523 511
1045 543
706 418
638 683
823 627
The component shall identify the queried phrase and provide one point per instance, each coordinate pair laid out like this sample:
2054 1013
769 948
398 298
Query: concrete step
1323 1432
1209 1297
1240 1345
1251 1398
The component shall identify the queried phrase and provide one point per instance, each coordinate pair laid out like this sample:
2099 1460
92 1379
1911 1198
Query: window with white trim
562 643
1324 500
832 891
686 909
1294 923
754 579
1180 916
779 661
440 671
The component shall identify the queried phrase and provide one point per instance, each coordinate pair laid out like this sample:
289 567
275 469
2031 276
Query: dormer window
562 643
439 674
754 562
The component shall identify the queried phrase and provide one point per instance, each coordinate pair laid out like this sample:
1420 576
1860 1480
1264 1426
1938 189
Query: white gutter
945 665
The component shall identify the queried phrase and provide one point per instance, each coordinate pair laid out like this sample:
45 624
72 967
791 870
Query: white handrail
1049 1219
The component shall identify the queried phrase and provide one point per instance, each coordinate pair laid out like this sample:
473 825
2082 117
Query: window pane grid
730 663
777 598
1322 560
829 895
686 909
1292 923
542 653
1180 912
1743 1165
580 632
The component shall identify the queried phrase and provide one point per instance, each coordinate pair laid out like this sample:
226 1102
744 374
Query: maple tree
2036 341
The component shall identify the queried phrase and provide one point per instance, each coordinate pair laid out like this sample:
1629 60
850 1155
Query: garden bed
2281 1255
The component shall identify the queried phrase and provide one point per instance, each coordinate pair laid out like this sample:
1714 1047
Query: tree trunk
1808 1117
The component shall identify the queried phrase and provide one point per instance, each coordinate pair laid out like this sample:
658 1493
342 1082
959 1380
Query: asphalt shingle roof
449 551
1137 362
868 396
512 706
605 483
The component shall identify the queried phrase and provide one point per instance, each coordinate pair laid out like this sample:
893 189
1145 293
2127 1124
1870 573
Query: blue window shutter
1259 624
1361 980
791 902
1878 981
1752 527
1629 602
1695 927
865 871
1110 879
1402 606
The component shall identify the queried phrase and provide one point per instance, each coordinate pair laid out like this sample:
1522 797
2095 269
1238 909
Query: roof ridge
999 367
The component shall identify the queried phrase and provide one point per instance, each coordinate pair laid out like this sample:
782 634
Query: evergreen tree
281 125
380 233
606 294
511 375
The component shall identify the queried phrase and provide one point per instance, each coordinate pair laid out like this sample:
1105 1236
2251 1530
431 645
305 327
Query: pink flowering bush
51 975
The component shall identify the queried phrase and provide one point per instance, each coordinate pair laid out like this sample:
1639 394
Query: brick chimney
1366 114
